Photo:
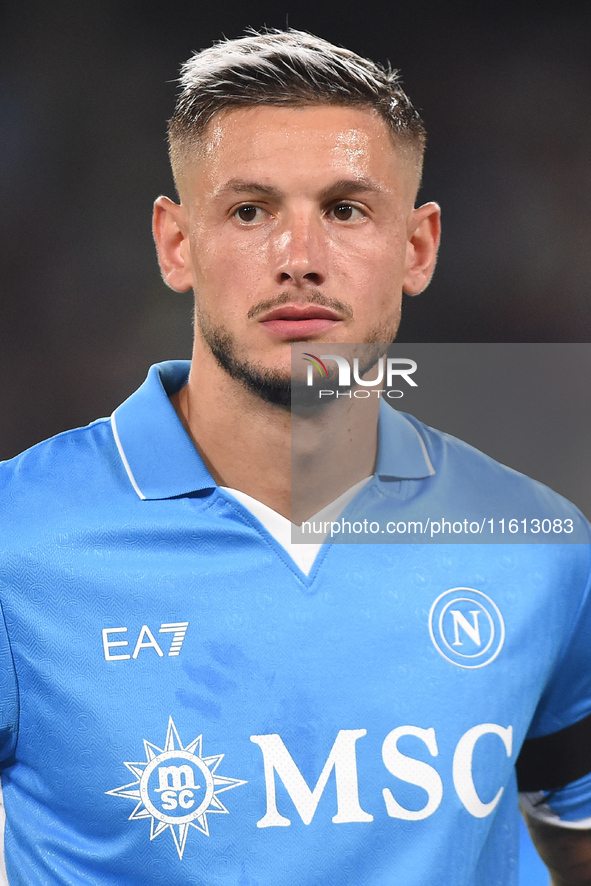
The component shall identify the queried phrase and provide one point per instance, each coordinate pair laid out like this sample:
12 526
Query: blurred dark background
86 87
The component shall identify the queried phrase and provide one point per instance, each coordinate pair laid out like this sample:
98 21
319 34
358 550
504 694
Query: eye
248 213
346 212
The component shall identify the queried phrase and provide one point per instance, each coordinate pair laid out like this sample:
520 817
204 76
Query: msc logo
466 627
176 784
176 787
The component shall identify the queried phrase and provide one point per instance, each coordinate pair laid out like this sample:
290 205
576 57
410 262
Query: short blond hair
289 68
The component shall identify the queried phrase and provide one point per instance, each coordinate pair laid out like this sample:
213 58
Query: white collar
281 528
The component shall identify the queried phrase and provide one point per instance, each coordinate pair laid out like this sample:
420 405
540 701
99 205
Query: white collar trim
281 528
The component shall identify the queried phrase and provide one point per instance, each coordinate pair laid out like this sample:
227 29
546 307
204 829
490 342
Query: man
187 696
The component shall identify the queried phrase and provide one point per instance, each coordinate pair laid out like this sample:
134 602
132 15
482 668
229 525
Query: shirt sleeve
9 707
554 766
569 807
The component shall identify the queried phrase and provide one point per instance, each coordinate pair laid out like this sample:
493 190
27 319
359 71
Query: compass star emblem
176 787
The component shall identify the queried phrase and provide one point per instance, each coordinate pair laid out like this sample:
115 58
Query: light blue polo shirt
181 704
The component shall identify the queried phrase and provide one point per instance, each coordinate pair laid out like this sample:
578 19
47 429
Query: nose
301 250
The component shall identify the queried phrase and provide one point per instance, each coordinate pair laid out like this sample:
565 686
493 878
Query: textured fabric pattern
181 704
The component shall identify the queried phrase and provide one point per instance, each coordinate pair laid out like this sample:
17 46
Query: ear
170 227
424 226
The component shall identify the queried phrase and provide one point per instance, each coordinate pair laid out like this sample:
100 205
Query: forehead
299 143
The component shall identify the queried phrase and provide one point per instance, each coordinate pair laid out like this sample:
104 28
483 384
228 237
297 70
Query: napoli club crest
466 627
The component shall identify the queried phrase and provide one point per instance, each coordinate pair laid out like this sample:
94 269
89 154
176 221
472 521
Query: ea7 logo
145 640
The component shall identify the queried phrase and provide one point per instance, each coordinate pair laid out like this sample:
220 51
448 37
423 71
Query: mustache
311 298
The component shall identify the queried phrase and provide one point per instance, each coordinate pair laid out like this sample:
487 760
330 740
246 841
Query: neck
295 465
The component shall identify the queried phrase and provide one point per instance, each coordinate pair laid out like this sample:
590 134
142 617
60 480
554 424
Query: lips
300 312
299 321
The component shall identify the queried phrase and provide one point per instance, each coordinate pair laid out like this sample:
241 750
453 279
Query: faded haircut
288 67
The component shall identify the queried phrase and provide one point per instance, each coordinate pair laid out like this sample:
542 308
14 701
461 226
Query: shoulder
56 473
65 450
466 484
461 462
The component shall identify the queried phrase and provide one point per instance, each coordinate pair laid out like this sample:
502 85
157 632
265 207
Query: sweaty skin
307 209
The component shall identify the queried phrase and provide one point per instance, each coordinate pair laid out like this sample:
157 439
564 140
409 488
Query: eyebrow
244 186
349 187
343 187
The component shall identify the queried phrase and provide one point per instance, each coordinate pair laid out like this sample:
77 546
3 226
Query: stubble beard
277 387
